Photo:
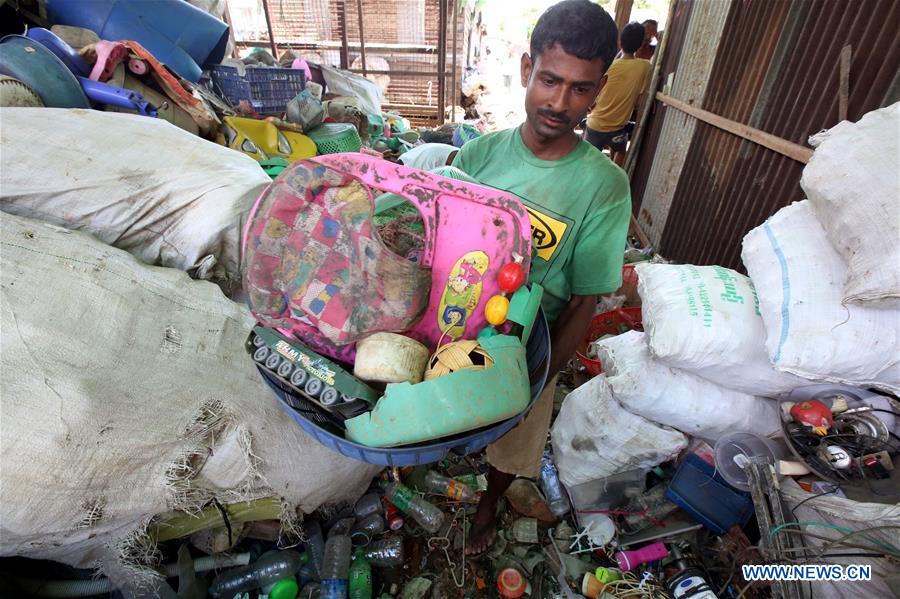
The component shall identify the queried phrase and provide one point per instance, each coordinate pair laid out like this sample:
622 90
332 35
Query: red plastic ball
510 277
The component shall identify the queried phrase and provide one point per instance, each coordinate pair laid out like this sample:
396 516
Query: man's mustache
558 116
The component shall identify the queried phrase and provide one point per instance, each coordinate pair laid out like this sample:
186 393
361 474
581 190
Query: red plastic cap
511 583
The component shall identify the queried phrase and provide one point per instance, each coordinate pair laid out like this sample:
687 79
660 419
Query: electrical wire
821 538
854 533
828 492
850 533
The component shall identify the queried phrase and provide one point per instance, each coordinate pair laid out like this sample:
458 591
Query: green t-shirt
580 207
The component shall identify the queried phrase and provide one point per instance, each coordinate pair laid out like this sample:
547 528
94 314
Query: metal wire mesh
401 40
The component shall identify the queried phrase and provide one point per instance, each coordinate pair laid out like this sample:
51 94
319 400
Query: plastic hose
100 586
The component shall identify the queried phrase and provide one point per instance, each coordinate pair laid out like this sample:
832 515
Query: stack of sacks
701 366
827 268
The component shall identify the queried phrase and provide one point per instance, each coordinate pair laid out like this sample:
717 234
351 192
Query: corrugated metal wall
776 68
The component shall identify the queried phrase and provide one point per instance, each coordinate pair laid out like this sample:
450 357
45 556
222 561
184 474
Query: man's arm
570 327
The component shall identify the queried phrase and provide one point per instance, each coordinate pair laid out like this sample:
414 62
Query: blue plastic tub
538 356
708 499
268 90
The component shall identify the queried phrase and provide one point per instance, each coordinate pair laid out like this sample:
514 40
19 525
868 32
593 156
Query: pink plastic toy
311 254
629 560
109 55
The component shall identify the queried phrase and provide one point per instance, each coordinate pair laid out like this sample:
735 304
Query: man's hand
570 328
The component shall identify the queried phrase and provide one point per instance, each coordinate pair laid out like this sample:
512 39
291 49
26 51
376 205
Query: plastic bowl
537 352
607 323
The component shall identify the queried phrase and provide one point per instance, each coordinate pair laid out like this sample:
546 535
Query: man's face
649 33
559 89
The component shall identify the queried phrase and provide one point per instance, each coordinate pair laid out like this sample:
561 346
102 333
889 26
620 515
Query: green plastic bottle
360 586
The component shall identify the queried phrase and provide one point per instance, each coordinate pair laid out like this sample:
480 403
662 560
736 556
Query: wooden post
644 112
844 84
265 5
234 48
454 93
442 58
342 26
623 13
362 36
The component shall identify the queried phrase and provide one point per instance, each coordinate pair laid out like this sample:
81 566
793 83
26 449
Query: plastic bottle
315 543
335 567
372 525
385 553
448 487
360 577
368 504
271 567
429 517
552 488
310 590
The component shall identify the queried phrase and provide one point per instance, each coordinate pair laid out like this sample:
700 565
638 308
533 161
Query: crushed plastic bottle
360 577
335 568
271 567
552 488
448 487
385 553
429 517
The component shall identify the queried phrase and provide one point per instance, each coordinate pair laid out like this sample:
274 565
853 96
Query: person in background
579 204
608 123
651 34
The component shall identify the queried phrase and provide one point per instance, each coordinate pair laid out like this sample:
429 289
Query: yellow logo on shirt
546 233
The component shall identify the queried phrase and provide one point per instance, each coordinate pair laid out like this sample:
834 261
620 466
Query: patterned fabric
312 255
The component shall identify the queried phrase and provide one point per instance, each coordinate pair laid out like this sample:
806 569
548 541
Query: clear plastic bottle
385 553
315 543
552 488
360 578
372 525
448 487
271 567
429 517
368 504
335 567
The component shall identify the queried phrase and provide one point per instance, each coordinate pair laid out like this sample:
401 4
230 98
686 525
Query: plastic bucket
537 352
607 323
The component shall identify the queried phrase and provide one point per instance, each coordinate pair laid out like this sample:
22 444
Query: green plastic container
334 138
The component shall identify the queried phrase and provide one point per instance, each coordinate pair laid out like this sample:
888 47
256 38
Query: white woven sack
800 279
137 183
706 320
594 437
677 398
853 184
127 393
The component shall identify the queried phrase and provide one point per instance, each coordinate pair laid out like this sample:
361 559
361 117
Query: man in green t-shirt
579 203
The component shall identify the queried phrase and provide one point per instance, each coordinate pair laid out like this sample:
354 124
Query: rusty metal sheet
776 69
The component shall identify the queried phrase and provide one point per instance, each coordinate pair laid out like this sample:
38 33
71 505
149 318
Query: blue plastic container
267 89
708 499
179 35
538 356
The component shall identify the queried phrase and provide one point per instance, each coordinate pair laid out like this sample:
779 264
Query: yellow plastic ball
496 309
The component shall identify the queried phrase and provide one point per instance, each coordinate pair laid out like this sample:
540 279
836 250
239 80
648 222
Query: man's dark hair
632 37
582 28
